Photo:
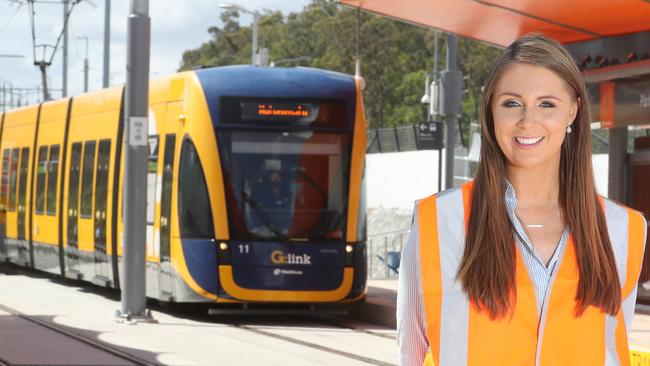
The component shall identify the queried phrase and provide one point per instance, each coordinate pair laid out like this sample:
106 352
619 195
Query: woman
526 265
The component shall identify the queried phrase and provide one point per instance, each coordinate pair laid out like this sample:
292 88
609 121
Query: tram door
72 247
23 250
102 261
166 274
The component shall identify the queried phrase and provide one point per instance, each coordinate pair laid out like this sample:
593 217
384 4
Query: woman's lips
527 142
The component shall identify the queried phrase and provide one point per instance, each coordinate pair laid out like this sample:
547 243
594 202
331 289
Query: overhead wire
11 18
32 19
32 13
65 24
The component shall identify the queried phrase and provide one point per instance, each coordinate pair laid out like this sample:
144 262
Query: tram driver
273 199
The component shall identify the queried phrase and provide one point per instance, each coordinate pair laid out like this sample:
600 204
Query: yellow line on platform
639 357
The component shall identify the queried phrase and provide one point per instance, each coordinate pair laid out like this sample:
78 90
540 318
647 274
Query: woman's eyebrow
519 96
509 93
549 97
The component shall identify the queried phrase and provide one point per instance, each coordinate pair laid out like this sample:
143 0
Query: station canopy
500 22
610 39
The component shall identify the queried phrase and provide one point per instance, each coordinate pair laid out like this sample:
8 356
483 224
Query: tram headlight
224 254
349 255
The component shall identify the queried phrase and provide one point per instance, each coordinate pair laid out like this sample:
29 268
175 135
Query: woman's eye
547 105
511 104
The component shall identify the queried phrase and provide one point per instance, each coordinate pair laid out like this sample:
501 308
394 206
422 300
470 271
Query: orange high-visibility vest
459 334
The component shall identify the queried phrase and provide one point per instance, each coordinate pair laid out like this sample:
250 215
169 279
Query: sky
176 25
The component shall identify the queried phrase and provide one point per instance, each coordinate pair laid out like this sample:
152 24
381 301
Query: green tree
395 56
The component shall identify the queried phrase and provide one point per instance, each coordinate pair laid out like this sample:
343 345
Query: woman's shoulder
616 212
447 194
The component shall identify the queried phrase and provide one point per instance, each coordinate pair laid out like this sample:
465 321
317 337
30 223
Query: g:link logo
278 257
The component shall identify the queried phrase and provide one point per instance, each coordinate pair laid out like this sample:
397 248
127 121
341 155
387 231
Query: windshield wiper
313 183
268 223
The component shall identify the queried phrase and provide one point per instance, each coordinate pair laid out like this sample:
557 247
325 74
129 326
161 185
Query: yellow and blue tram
255 188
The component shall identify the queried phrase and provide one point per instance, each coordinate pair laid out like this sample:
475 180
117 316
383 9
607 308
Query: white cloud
175 27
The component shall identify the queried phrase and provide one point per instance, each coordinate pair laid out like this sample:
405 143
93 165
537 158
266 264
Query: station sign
429 135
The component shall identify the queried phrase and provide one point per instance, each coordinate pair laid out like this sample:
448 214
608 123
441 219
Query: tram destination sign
283 111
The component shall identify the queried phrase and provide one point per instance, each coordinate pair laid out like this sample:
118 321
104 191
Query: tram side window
52 176
194 203
166 196
22 187
152 176
13 178
40 180
101 180
4 180
87 180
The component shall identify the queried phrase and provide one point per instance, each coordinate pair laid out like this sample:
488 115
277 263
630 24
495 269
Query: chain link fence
381 245
392 139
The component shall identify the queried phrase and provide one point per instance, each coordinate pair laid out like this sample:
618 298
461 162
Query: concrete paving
178 340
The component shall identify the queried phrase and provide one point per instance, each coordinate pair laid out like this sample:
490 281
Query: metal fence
380 245
404 138
392 139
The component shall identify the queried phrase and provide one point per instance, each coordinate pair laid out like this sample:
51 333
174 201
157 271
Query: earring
568 129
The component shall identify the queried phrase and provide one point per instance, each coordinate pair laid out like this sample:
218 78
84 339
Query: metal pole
357 53
43 67
618 137
256 18
436 55
86 66
451 104
66 6
107 41
135 160
86 75
436 76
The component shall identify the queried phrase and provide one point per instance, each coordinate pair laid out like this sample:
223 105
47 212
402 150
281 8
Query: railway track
290 325
349 355
79 349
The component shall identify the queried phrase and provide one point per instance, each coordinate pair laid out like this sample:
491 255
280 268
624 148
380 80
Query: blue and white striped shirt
411 334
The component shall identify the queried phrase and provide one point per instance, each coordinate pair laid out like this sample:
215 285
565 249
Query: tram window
87 180
101 188
40 180
4 181
194 203
22 187
152 177
166 199
13 178
73 187
362 219
52 177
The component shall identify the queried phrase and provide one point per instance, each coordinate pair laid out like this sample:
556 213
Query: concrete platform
380 305
177 338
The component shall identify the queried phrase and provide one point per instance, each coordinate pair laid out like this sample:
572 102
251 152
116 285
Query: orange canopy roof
502 21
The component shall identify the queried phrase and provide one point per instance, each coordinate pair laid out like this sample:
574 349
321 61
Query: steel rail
319 347
93 343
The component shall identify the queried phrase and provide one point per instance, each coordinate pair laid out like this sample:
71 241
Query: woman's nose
527 116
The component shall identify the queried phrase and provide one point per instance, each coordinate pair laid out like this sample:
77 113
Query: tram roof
500 22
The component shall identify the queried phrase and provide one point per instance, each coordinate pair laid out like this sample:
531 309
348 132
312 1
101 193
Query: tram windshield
285 185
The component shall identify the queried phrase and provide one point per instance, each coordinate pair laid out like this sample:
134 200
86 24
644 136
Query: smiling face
532 107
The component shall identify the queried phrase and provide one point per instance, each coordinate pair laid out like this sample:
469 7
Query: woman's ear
575 108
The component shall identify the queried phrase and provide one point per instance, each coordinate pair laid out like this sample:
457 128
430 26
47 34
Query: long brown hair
487 269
